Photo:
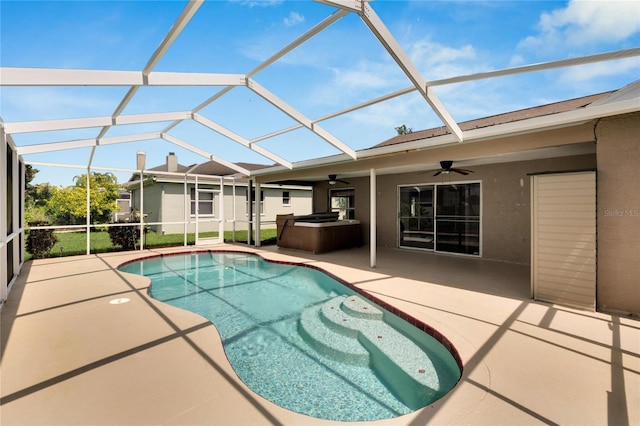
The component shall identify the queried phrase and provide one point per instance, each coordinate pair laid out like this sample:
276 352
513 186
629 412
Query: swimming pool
302 339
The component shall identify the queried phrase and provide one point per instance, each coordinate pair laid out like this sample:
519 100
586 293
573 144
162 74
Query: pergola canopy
196 128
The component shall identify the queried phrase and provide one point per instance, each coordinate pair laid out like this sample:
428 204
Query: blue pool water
303 340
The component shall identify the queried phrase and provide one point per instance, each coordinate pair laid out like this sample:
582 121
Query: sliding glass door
416 217
458 218
440 217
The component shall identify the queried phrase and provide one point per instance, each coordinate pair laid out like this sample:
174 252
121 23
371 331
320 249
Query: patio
71 357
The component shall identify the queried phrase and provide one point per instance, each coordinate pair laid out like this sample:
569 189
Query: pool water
276 327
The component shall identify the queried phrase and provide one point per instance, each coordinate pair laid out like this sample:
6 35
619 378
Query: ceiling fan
446 168
333 180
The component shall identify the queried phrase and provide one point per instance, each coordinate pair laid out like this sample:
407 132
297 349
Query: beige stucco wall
506 202
618 149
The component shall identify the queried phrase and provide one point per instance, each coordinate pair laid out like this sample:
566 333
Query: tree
29 174
68 206
403 130
38 194
35 197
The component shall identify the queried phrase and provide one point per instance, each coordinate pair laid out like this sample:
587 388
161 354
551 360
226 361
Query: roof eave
514 128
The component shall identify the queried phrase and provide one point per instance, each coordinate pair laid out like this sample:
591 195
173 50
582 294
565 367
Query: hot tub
317 233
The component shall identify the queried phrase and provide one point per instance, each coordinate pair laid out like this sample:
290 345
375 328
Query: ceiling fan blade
437 173
462 172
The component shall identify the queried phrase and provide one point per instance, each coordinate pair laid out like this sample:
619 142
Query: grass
75 243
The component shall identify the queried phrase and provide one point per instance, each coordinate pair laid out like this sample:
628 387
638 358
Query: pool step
349 326
331 343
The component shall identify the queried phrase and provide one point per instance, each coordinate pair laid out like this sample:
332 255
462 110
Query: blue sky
338 68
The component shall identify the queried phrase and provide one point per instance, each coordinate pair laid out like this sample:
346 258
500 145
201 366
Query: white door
563 238
207 216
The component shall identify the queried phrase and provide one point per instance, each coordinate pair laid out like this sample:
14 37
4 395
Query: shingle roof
164 168
216 169
211 168
494 120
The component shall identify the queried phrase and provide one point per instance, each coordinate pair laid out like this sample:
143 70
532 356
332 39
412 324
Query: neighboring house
548 189
168 197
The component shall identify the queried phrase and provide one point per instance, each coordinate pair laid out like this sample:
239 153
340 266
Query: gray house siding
164 206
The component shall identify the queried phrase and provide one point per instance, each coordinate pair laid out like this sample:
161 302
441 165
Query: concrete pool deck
71 357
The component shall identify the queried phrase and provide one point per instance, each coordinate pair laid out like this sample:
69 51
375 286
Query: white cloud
294 18
516 60
258 3
365 76
592 71
437 61
381 76
584 22
347 77
362 81
409 110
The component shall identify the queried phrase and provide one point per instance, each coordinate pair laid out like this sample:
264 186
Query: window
286 198
343 202
440 217
205 202
253 201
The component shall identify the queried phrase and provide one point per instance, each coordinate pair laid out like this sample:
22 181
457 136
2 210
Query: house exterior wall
166 206
506 202
618 275
152 198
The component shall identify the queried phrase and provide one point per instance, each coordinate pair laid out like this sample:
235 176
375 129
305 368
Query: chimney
172 162
140 160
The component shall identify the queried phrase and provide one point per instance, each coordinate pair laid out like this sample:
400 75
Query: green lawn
75 243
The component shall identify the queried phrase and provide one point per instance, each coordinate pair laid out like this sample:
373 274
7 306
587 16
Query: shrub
125 236
40 241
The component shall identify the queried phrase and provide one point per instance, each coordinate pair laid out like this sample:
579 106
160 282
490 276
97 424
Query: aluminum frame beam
299 117
13 76
239 139
316 29
185 16
582 60
189 147
387 40
83 123
84 143
543 66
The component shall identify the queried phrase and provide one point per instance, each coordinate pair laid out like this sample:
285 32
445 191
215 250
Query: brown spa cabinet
317 233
